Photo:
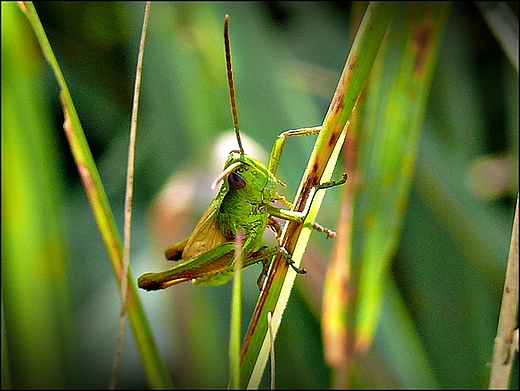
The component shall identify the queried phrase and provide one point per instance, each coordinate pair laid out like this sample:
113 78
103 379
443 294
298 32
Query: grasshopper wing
206 236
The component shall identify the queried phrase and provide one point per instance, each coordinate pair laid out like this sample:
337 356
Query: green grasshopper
243 203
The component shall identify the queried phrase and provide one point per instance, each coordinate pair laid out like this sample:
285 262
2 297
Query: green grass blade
387 130
37 332
388 147
156 370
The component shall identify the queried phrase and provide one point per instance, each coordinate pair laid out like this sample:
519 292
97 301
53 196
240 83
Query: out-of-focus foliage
447 275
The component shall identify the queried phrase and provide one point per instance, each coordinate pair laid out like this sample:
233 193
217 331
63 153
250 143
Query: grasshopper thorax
247 189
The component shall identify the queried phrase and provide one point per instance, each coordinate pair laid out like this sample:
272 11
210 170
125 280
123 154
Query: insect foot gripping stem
333 183
290 261
327 185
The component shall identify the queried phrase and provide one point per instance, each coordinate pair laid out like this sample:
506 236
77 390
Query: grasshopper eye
236 181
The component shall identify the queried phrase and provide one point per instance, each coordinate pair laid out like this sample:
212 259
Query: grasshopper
243 203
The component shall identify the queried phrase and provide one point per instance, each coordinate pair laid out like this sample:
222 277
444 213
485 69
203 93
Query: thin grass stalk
236 316
505 345
128 199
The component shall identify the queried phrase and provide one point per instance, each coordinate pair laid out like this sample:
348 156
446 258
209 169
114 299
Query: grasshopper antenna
232 84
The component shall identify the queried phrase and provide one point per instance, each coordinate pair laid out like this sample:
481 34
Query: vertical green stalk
236 317
322 162
129 198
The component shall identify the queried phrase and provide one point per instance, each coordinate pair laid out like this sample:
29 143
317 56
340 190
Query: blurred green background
287 58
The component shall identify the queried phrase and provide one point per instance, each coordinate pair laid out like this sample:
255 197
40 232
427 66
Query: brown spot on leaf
422 41
338 104
86 177
314 170
332 140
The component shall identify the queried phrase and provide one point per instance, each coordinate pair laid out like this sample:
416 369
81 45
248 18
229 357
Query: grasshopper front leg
299 217
279 144
274 161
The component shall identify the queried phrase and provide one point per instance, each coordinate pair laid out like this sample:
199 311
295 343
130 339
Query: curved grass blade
321 165
155 369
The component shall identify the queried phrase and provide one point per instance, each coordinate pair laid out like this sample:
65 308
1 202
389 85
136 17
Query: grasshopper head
249 178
